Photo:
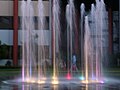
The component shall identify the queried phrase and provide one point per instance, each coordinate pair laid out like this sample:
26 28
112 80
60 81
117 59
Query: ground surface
6 74
70 86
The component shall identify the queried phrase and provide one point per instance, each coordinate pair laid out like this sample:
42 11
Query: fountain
70 17
91 40
56 39
33 69
92 48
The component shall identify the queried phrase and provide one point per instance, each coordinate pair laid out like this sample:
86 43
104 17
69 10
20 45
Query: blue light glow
81 78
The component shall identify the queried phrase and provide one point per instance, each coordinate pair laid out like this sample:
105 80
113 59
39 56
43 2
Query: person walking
74 66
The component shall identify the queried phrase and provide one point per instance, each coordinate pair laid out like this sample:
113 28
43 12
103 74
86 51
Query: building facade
11 33
10 29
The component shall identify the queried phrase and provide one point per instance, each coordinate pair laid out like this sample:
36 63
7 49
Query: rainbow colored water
91 47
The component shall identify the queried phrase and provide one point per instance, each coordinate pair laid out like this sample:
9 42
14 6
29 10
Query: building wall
116 35
6 24
6 8
6 18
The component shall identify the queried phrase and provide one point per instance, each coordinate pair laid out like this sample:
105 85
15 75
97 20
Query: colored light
55 80
41 82
102 82
68 76
81 78
93 78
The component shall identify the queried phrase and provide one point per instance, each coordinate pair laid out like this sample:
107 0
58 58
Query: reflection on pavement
71 86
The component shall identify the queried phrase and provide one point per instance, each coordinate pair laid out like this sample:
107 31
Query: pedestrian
74 60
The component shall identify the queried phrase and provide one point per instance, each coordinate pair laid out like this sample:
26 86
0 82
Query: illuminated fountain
94 42
70 17
33 52
91 39
56 39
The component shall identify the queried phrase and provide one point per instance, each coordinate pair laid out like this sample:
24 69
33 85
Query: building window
46 24
6 22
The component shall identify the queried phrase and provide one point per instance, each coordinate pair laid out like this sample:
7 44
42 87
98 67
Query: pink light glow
68 76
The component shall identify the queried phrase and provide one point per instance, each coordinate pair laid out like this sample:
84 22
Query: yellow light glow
55 80
91 81
41 82
32 81
85 81
86 60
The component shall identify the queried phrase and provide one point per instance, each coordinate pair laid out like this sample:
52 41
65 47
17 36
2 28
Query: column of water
82 8
56 38
40 43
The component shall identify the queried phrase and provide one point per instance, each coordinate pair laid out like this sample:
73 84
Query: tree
114 59
0 42
3 51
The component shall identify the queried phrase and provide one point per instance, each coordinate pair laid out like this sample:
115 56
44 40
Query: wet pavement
71 86
112 83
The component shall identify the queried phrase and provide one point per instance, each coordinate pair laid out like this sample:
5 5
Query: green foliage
116 56
113 59
0 42
4 51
